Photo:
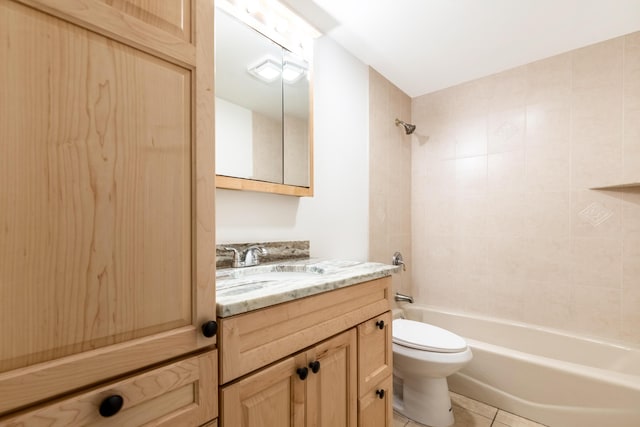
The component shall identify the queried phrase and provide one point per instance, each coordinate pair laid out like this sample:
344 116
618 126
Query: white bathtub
545 375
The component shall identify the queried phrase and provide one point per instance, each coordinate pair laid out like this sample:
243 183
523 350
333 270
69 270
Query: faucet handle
236 256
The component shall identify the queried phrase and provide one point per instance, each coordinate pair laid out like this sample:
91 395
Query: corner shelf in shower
618 186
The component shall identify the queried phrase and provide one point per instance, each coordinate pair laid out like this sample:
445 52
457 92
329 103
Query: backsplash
276 251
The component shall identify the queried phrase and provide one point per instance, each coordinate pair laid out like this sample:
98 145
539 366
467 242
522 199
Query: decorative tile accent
595 214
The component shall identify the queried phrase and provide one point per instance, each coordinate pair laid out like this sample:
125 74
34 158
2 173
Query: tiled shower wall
389 177
505 222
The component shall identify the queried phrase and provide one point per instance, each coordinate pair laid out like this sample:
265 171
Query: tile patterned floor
470 413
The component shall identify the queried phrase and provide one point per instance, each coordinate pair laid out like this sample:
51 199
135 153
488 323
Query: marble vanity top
239 290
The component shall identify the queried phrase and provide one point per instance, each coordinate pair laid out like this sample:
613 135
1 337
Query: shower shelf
618 186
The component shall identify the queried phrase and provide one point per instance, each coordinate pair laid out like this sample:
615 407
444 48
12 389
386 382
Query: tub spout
404 298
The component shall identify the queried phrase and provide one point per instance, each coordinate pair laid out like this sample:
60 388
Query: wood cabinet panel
97 241
107 255
173 17
162 28
252 340
181 393
332 391
375 351
374 410
274 396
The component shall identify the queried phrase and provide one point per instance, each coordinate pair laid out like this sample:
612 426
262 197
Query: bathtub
548 376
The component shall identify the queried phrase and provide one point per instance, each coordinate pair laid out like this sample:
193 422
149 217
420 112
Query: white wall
336 219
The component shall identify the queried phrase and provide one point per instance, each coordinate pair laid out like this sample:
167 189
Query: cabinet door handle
302 373
111 405
209 328
380 393
315 366
380 324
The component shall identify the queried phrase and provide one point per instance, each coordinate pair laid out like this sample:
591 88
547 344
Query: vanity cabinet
107 254
314 388
375 368
268 357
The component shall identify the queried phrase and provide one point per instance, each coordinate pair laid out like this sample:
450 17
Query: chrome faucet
247 258
403 298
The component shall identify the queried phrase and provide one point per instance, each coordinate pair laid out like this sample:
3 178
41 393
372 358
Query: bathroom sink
272 272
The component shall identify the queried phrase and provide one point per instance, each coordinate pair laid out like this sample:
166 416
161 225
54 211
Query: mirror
263 112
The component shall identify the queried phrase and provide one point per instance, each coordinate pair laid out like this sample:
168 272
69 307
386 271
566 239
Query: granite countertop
239 290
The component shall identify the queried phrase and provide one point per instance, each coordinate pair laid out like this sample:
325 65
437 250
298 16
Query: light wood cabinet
180 393
375 407
263 350
107 254
317 387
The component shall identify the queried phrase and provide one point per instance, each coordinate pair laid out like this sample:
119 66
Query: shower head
408 127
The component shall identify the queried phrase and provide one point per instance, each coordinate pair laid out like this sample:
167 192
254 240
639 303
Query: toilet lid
423 336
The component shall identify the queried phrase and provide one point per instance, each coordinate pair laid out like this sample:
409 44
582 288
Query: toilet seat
422 336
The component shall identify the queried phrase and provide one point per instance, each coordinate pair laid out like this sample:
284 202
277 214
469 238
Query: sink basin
272 272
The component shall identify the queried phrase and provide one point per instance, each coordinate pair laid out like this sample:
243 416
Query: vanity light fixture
267 70
276 21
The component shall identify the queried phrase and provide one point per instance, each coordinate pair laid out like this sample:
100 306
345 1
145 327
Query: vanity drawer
251 340
180 393
375 408
375 352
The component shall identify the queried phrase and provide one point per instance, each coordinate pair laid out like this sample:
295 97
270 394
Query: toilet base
425 400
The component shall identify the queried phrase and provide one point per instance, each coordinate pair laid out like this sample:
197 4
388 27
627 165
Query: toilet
423 357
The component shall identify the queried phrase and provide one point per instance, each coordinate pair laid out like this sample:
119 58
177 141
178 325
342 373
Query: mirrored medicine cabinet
264 120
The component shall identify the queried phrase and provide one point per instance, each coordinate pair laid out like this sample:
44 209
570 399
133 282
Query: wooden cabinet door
274 396
332 391
107 256
375 351
375 407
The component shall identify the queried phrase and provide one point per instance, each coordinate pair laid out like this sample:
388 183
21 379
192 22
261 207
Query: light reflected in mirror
262 107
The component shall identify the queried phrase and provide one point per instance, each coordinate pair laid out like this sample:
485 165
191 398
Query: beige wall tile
505 214
599 64
631 145
549 79
506 177
547 168
507 89
596 262
548 124
506 171
471 137
596 214
632 71
596 311
631 213
547 303
547 214
471 175
506 130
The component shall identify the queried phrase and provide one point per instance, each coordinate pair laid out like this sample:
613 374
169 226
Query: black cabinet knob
315 366
302 373
111 405
209 328
380 324
380 394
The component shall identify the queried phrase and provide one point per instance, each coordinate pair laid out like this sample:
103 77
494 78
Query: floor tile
399 420
466 418
463 418
509 420
473 405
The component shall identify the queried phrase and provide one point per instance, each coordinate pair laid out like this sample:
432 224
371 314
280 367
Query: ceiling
426 45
